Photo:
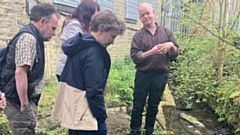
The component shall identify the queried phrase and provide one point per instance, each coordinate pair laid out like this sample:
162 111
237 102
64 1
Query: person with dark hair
24 69
79 104
152 48
76 22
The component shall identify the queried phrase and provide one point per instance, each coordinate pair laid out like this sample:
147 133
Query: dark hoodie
87 68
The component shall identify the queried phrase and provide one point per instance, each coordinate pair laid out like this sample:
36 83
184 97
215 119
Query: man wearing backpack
23 70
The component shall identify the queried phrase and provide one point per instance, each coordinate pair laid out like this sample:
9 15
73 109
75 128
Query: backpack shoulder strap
4 51
19 33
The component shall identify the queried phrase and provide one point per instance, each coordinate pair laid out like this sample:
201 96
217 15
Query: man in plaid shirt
24 69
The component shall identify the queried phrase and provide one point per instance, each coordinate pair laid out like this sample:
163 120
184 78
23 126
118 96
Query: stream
206 116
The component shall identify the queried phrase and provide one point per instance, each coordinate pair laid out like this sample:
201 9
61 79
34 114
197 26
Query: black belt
153 72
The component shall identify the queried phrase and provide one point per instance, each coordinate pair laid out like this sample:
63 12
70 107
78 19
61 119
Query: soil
117 124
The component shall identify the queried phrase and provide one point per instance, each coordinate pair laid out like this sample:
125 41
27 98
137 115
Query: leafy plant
207 69
4 125
120 79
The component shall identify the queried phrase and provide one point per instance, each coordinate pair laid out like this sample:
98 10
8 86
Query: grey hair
42 10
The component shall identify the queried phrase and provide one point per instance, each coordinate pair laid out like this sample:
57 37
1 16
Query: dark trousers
102 130
58 77
147 84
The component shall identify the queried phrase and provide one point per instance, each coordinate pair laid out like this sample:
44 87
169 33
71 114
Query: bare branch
208 30
204 27
235 21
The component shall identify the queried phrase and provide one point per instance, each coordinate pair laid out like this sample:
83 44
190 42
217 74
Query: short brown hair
106 20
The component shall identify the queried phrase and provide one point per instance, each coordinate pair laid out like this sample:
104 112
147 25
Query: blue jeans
102 130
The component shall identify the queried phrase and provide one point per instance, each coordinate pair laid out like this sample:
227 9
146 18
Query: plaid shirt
25 54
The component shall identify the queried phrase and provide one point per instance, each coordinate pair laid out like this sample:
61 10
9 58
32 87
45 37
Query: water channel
206 116
119 124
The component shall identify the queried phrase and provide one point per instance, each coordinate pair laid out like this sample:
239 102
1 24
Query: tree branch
232 44
208 30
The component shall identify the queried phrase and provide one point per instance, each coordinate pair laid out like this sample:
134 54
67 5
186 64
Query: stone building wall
13 16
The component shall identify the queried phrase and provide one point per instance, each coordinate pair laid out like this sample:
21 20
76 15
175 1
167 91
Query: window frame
131 7
106 4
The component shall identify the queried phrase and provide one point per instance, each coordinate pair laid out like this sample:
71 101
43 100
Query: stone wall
167 111
13 16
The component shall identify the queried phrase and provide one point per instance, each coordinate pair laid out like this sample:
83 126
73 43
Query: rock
236 101
167 110
190 126
192 120
197 132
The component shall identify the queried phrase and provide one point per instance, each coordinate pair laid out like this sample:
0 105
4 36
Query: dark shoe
145 133
135 133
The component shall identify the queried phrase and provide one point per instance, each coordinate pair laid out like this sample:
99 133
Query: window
171 17
106 4
70 3
65 6
131 9
153 2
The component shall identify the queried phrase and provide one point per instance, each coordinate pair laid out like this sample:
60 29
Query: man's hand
168 47
2 102
164 48
158 49
22 86
24 105
161 49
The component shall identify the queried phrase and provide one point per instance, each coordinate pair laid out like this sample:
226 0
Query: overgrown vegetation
120 83
207 68
4 128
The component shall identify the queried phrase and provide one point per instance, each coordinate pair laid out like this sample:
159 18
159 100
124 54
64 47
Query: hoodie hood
79 42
